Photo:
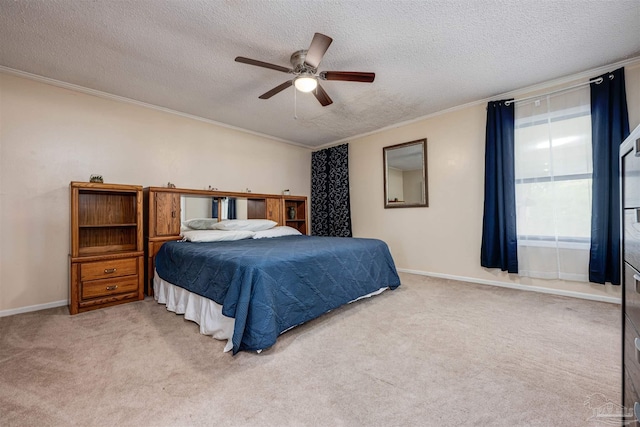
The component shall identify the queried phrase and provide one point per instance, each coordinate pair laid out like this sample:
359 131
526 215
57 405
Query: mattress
271 285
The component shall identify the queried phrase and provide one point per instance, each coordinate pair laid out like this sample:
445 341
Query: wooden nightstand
107 257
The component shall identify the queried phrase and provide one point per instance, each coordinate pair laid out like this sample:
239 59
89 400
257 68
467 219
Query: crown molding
109 96
512 94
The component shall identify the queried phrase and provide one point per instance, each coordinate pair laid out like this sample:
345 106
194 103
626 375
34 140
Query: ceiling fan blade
322 96
348 76
317 49
263 64
276 90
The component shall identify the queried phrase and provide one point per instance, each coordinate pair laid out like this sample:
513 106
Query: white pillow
276 232
215 235
201 223
245 224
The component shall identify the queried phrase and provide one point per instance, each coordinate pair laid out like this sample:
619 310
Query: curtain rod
596 81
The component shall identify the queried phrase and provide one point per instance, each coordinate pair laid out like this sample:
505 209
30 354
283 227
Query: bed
253 290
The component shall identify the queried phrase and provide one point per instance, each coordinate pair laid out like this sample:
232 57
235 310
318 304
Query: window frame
563 242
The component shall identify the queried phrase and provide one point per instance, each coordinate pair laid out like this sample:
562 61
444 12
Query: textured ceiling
427 55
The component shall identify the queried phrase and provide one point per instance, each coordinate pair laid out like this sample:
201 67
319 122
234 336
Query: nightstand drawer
108 287
108 269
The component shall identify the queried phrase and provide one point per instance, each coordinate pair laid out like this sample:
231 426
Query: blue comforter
271 285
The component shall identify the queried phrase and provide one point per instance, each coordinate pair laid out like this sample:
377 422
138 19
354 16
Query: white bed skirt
205 312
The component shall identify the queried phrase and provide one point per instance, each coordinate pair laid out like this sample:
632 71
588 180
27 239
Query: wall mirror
405 175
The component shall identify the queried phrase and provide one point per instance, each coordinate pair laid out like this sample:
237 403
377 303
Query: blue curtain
231 208
499 237
214 208
609 127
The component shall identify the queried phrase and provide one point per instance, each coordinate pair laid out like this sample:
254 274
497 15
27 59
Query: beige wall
412 186
50 136
195 207
395 189
444 239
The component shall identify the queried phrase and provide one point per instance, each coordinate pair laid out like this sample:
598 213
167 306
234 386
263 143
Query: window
553 171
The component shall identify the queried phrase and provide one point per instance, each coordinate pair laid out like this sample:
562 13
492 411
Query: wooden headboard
162 214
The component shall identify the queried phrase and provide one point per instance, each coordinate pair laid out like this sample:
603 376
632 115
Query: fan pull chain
295 104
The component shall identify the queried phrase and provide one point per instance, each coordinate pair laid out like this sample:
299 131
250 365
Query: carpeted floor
434 352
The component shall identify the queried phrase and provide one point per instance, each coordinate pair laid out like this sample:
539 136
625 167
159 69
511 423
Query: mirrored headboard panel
194 206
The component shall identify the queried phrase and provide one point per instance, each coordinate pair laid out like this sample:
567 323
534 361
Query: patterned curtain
330 208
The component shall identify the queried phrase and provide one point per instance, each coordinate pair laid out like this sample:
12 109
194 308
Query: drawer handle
110 270
637 344
637 153
636 278
637 214
114 287
636 411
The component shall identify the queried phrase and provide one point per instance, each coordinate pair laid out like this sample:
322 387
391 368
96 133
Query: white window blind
553 170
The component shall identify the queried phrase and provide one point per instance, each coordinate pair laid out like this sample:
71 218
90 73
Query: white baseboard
30 308
540 289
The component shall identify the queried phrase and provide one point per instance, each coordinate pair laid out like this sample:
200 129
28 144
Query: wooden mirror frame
425 194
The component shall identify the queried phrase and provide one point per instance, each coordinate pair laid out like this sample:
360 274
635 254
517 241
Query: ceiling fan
304 66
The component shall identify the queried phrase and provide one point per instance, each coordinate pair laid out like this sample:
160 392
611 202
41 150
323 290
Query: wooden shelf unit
297 205
106 259
163 212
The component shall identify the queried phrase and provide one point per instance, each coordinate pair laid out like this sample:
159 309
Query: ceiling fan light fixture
304 68
305 83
